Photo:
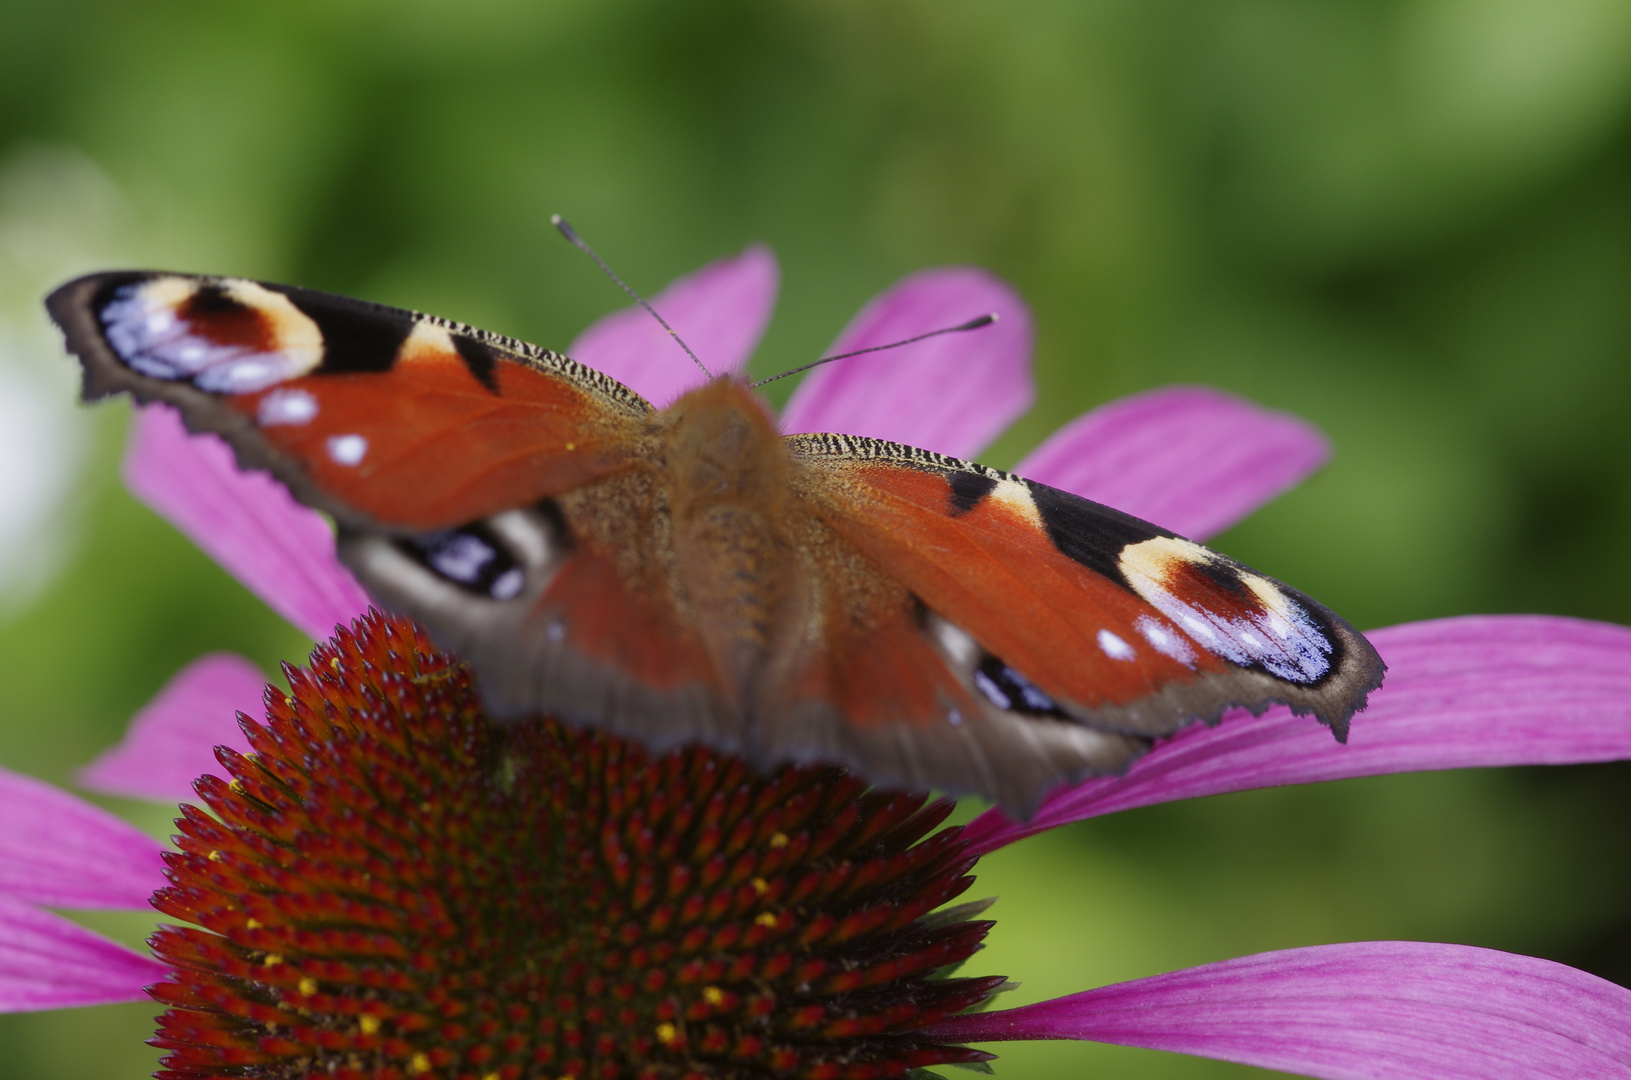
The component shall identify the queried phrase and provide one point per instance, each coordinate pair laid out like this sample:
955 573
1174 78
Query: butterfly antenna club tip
565 229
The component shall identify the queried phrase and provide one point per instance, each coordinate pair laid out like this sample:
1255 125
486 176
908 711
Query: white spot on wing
1114 647
347 449
507 586
991 690
961 649
1166 642
286 406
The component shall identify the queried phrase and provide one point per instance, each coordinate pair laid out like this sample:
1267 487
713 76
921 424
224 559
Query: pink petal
1187 458
172 741
60 850
1397 1009
47 962
1473 691
953 394
721 312
246 521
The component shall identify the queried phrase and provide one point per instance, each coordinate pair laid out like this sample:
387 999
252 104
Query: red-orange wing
385 418
1074 610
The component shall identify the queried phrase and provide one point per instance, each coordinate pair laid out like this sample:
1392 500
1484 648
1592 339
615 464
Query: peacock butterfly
689 574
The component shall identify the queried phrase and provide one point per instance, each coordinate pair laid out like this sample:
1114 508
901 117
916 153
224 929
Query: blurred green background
1407 220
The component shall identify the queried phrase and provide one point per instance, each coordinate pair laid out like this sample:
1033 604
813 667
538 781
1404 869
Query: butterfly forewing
382 417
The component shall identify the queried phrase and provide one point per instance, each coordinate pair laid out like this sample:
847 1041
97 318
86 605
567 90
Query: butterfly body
691 574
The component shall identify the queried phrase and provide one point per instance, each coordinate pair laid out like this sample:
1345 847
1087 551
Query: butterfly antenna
972 324
571 234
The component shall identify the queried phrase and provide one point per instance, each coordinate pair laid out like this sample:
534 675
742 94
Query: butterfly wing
1054 615
384 418
440 450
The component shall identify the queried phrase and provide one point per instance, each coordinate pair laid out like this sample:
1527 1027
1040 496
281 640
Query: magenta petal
1473 691
721 311
246 521
1397 1009
172 741
47 962
952 394
1190 459
58 849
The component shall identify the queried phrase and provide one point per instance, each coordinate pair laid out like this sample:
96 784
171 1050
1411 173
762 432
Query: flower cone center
393 886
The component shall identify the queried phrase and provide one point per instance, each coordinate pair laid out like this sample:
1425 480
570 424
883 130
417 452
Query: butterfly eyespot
472 558
224 336
1010 691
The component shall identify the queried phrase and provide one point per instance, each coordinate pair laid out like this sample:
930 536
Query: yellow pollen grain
667 1034
713 995
236 785
335 663
369 1024
252 924
778 840
571 446
308 986
215 856
272 960
761 886
490 1076
765 919
418 1064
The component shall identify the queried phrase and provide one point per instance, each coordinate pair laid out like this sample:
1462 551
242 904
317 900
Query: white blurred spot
347 449
462 558
41 449
507 586
1165 641
60 216
1114 647
286 407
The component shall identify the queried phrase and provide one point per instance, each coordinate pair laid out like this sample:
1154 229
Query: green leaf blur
1409 222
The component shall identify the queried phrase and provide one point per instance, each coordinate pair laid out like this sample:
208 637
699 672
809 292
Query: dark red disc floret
394 887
